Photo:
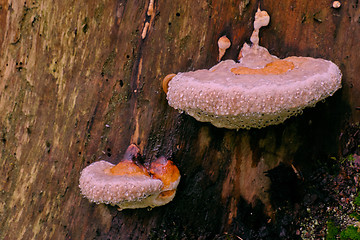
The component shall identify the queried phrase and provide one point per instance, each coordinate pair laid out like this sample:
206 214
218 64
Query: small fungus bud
128 184
223 44
262 19
336 4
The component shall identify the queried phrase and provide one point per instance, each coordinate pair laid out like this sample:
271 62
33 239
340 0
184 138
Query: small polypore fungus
129 184
258 91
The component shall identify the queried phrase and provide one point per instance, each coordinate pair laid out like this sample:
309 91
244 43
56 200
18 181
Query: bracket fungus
129 184
257 91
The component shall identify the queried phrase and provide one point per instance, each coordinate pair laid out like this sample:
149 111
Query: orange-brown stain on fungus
165 170
127 167
276 67
168 173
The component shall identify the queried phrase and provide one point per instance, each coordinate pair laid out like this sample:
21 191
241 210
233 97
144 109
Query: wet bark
80 81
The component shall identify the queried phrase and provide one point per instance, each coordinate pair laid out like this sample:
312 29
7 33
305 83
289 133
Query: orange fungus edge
166 81
167 194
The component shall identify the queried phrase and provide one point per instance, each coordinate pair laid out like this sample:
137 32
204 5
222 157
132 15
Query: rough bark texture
78 83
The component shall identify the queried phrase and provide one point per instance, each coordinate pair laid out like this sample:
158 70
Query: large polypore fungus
257 91
128 184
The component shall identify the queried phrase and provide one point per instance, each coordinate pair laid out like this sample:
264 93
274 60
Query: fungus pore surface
257 91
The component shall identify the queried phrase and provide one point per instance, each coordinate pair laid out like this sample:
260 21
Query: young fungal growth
129 184
223 44
262 19
257 91
336 4
150 10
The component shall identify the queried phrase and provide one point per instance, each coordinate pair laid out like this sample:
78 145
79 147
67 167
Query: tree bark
79 82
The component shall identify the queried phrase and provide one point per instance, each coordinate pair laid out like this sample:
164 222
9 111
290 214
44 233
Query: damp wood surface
81 80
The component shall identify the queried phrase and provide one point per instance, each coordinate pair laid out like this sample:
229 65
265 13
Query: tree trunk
80 81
